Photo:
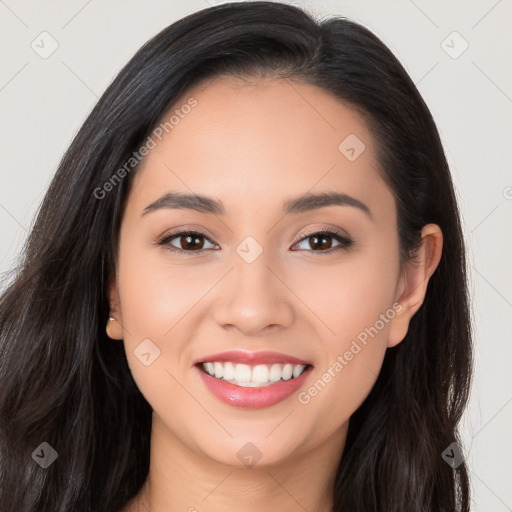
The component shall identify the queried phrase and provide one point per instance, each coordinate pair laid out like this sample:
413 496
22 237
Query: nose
254 298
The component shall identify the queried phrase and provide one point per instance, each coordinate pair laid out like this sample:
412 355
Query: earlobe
412 287
114 327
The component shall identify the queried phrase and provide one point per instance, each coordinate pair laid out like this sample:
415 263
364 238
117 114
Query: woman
245 288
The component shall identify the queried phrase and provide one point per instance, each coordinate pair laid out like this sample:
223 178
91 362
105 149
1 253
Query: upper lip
251 358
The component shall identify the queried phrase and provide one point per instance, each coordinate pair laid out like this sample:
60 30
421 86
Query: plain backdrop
459 53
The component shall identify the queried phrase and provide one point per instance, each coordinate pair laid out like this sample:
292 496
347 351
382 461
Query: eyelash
345 242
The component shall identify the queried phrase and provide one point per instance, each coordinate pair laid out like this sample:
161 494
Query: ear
115 326
412 286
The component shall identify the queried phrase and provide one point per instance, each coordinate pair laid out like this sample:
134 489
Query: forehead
266 140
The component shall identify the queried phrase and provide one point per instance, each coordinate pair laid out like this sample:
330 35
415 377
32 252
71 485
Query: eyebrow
204 204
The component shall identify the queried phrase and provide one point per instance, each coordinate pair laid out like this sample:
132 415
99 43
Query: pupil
322 245
190 241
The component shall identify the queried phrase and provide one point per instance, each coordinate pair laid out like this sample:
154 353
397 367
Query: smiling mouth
252 376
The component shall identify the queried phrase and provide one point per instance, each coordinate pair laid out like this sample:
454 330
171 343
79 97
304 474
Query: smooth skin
254 145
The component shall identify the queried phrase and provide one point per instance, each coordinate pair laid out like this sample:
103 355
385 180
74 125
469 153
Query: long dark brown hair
62 381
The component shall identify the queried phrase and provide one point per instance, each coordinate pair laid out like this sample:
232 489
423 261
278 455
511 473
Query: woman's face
259 277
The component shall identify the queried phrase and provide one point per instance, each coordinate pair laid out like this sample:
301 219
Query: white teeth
219 370
275 372
209 367
242 373
253 376
260 373
297 370
229 371
286 372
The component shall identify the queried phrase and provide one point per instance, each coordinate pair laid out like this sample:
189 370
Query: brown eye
322 241
190 241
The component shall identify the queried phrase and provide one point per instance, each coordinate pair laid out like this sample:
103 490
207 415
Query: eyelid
184 229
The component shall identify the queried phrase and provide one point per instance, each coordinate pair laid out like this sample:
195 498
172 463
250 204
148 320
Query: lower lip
253 398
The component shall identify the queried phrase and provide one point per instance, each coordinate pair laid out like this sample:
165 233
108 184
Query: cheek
147 303
154 294
350 293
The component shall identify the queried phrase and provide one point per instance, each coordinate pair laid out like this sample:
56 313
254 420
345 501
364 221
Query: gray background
43 102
